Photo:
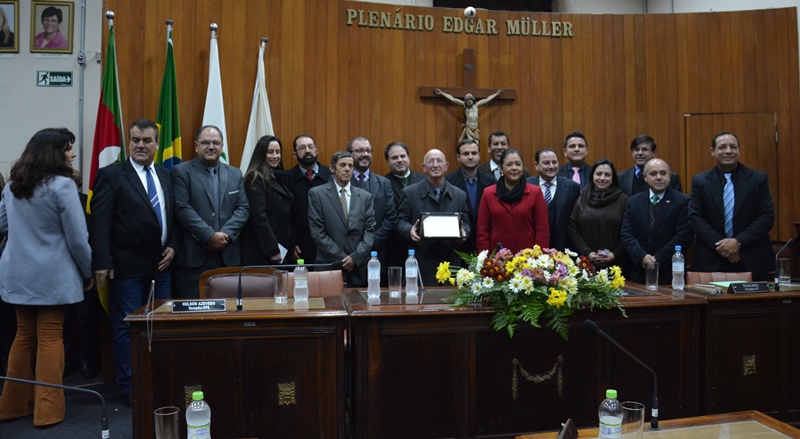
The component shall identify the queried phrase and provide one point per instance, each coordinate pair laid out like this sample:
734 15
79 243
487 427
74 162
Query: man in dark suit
211 206
576 148
342 221
400 176
307 174
643 149
131 236
655 222
498 144
472 182
562 196
731 212
434 194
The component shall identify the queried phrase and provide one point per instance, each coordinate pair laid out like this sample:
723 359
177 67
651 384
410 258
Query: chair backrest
320 283
698 277
222 283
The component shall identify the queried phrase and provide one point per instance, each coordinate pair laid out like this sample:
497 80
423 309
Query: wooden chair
699 277
222 283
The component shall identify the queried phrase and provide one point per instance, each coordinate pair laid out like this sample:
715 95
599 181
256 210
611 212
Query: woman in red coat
512 213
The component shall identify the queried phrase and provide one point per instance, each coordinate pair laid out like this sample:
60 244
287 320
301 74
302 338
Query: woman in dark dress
271 209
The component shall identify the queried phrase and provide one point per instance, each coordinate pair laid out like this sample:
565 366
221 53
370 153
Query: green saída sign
53 79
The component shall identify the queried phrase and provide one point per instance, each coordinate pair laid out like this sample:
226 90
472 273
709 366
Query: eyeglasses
306 148
211 142
362 151
435 162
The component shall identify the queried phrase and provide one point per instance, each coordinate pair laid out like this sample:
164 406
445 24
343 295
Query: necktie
361 178
654 199
404 181
727 202
343 199
153 194
548 197
437 194
310 175
653 209
497 173
576 176
214 186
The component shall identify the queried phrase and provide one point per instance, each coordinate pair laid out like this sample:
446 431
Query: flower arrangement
533 283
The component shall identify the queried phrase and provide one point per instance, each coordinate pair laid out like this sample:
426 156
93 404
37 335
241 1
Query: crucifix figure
471 130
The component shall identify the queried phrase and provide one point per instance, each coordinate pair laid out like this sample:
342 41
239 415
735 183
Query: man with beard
307 174
576 148
468 179
559 193
498 144
400 176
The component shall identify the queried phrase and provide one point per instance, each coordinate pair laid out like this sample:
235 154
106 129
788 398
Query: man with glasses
434 194
212 209
307 174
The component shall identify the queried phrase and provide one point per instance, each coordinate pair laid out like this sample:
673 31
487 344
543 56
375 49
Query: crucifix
470 93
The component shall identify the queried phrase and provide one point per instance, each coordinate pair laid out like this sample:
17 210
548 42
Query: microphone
332 266
103 420
777 255
592 326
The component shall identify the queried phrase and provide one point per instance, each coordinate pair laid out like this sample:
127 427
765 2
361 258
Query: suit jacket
670 228
626 181
272 221
397 186
518 226
125 232
417 199
486 168
566 172
383 205
484 181
753 218
299 185
396 247
195 211
337 238
567 193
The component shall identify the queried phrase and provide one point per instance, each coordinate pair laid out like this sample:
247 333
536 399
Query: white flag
214 113
260 117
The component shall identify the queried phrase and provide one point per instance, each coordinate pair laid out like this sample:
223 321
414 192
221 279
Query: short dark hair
202 128
338 155
299 136
575 134
641 139
499 133
467 141
508 152
614 178
539 152
50 11
723 133
354 139
144 124
389 146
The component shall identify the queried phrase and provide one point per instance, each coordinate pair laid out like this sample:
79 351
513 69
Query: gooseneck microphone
592 326
332 266
103 420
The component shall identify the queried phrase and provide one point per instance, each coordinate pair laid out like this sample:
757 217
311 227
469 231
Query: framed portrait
51 26
9 26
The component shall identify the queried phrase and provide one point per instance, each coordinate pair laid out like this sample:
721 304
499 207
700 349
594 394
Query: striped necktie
152 193
548 197
727 201
343 199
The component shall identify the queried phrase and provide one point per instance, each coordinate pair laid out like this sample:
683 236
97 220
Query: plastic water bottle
610 413
678 267
412 271
198 418
300 281
373 275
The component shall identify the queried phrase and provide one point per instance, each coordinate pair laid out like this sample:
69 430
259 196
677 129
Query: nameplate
748 287
198 305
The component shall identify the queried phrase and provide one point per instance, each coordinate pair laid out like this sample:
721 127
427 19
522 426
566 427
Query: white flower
481 258
516 283
585 274
463 276
570 253
476 288
602 276
527 284
488 282
569 284
573 270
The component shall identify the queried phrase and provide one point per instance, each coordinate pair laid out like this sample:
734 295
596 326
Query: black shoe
87 370
127 400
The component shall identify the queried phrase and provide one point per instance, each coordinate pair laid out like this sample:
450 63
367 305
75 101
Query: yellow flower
516 264
537 251
443 273
618 282
557 298
615 271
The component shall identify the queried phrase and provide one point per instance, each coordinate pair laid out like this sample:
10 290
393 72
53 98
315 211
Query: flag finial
170 22
214 27
110 15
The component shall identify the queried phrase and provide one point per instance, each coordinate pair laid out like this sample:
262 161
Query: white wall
28 108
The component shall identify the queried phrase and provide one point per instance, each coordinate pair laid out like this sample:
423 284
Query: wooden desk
432 370
267 372
741 425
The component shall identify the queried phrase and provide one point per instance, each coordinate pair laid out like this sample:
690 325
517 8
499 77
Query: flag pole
213 28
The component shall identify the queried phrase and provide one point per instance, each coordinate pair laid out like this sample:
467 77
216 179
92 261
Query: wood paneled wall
618 76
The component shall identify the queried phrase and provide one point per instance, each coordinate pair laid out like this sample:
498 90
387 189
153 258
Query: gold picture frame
9 26
59 22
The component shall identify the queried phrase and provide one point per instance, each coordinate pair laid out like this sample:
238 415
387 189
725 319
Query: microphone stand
103 420
332 266
592 326
777 255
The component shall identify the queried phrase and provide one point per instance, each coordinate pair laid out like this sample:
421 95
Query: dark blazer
566 172
125 234
753 218
299 185
484 181
418 198
397 186
336 238
486 168
383 206
567 193
195 211
517 226
396 247
671 228
626 181
272 221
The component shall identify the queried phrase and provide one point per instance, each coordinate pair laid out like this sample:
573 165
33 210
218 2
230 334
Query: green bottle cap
301 262
197 396
610 393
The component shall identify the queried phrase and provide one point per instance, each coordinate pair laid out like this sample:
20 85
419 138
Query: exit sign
53 79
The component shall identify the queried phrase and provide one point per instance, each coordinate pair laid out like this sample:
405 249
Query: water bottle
373 275
198 418
412 271
300 281
678 267
610 413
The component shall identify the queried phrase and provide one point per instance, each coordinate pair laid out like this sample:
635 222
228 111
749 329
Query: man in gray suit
643 149
342 221
212 209
560 194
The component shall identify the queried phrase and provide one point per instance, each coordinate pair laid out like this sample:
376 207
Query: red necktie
310 175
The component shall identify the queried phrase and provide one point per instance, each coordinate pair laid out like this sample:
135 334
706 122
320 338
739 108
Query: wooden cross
469 84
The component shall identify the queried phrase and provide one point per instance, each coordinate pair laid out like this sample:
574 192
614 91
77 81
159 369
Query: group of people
152 228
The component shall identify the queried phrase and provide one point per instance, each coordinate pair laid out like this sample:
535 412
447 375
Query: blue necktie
548 197
727 202
153 194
